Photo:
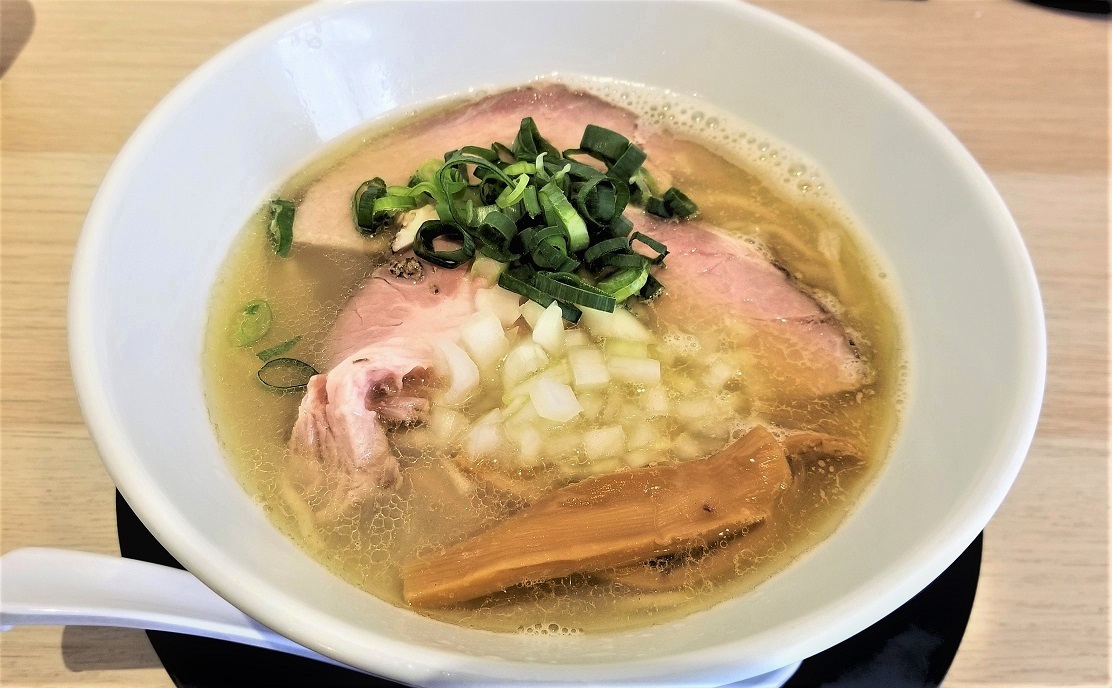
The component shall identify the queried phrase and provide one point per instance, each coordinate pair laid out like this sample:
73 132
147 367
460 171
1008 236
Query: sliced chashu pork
382 354
713 280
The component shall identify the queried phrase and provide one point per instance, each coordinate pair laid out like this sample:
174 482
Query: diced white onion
563 446
411 222
529 443
484 339
484 439
621 324
531 311
526 415
486 269
602 443
524 360
505 305
687 447
515 405
576 337
445 424
718 374
592 404
588 368
640 371
548 331
642 436
462 372
560 372
656 402
614 403
622 347
639 459
554 400
697 411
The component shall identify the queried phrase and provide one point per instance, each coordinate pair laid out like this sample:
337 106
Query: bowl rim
405 662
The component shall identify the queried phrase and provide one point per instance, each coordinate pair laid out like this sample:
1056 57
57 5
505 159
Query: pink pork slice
382 356
381 352
711 278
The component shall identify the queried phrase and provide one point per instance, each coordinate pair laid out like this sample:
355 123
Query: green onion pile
557 223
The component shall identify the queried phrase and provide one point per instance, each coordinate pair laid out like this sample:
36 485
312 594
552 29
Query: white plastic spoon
53 587
40 586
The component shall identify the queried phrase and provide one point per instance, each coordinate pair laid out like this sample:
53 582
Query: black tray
912 647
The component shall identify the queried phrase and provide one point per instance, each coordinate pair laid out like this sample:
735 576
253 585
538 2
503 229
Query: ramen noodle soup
557 359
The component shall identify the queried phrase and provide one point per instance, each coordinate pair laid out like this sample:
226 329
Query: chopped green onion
559 211
428 169
535 235
437 229
363 204
286 374
503 152
532 202
251 323
278 349
570 312
511 195
569 265
623 260
621 227
496 230
488 154
603 144
625 282
281 226
393 204
568 288
529 142
657 206
661 249
520 282
652 289
544 214
602 199
679 204
522 167
628 163
605 247
549 256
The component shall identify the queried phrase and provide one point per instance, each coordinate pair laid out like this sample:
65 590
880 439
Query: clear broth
739 193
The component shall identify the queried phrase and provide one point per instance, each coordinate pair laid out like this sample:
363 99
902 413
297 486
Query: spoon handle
40 586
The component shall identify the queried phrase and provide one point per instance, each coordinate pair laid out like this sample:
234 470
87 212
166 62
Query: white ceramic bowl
213 150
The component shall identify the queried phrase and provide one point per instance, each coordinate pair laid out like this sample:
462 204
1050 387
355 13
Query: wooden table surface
1025 88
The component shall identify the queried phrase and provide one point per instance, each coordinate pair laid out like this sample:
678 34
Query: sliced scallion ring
652 289
251 323
567 288
278 349
286 374
606 247
438 229
602 143
281 226
559 211
679 204
661 249
628 163
625 282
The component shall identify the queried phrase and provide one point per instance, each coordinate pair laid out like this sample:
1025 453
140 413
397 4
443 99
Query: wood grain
1026 89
